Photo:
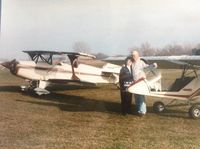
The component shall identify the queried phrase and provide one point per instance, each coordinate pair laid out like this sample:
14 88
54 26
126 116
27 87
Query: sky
108 26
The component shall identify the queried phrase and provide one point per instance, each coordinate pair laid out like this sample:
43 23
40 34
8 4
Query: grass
87 117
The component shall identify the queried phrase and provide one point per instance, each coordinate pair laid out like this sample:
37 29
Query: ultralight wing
164 62
174 62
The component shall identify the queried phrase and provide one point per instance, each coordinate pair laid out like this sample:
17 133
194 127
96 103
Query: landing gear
158 107
194 112
32 85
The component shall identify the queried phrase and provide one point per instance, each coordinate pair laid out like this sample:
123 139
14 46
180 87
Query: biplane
47 67
185 88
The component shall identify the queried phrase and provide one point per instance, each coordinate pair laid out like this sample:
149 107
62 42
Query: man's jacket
125 78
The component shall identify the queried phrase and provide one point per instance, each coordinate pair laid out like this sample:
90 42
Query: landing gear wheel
158 107
194 112
33 85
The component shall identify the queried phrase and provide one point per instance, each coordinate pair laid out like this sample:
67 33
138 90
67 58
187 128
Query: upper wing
174 62
164 62
46 56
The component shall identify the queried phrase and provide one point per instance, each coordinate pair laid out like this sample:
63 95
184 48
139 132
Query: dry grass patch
87 117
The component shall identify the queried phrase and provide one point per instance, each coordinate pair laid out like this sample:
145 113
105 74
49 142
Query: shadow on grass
10 89
62 87
75 103
15 88
67 102
175 113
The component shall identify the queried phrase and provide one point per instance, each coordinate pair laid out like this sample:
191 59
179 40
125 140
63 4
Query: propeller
11 65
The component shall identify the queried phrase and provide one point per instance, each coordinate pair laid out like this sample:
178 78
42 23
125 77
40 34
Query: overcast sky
108 26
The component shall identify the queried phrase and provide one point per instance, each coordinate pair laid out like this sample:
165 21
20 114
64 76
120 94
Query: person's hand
155 65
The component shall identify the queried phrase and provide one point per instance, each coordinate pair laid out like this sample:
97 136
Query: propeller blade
11 65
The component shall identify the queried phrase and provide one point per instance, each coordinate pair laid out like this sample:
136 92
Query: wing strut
35 56
73 59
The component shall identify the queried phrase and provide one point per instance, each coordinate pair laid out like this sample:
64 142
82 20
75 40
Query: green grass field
88 117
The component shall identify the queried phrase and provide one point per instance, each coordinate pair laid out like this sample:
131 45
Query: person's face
129 62
135 55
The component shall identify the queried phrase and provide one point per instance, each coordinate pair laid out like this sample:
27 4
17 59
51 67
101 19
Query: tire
158 107
33 85
194 112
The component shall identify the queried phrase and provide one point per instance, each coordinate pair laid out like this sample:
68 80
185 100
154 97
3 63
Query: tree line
171 49
146 49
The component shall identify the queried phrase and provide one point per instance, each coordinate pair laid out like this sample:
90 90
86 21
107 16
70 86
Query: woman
125 79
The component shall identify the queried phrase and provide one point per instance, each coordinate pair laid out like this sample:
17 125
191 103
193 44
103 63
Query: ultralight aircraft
185 88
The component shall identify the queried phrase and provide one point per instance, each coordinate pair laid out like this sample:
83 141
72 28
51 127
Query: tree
145 49
176 49
81 47
101 56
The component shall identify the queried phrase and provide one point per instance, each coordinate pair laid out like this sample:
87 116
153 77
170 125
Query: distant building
195 51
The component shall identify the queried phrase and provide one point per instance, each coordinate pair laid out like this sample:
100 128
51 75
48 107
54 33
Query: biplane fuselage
62 72
43 70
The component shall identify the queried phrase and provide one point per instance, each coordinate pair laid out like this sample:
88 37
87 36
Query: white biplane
185 88
47 67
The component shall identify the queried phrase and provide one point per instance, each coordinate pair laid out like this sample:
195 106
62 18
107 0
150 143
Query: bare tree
81 47
101 55
176 49
145 49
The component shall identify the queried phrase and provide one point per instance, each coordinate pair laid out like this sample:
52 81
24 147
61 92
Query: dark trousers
126 100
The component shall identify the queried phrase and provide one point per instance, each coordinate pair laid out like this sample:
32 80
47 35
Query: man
138 66
125 79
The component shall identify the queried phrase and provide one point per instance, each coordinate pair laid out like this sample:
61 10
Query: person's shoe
129 112
124 114
141 114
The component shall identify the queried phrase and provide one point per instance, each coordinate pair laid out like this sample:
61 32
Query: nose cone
11 65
